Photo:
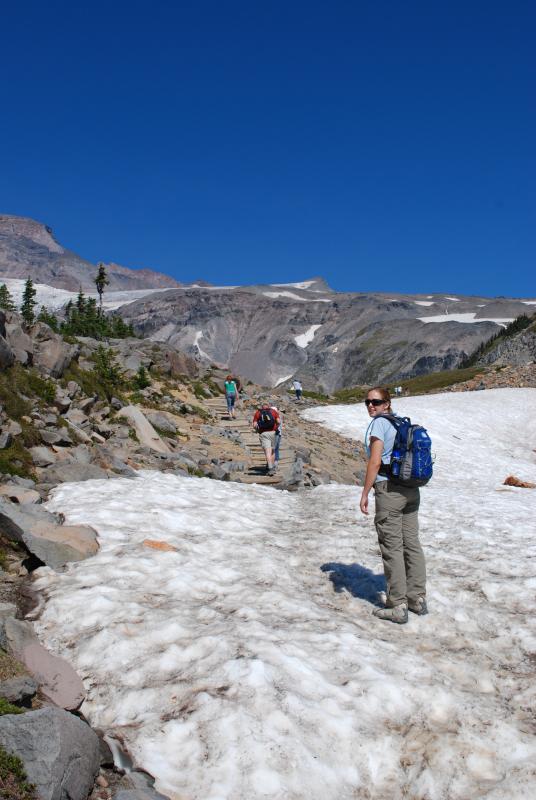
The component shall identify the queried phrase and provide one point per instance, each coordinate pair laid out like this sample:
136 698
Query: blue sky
385 146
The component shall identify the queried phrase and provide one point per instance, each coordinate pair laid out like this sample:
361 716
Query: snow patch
282 380
55 299
424 302
198 336
454 299
469 317
246 660
306 338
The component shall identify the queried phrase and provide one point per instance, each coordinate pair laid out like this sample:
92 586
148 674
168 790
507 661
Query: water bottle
395 463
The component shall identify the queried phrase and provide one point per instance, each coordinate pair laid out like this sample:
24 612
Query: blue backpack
411 460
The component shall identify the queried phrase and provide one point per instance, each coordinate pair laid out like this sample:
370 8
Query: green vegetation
48 318
83 318
100 282
422 384
107 371
516 326
28 302
316 395
13 780
6 301
141 380
8 708
16 381
200 390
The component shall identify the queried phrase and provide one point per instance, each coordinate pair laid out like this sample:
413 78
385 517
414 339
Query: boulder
57 436
161 421
137 785
6 440
7 611
14 427
19 341
42 456
60 753
62 402
52 355
19 494
19 690
53 544
71 472
73 389
77 417
145 432
7 356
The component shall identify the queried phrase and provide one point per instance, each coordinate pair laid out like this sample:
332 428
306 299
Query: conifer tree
48 318
6 301
28 302
100 282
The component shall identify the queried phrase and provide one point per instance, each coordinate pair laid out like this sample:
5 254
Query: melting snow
454 299
424 302
282 380
469 317
198 336
306 338
54 299
246 664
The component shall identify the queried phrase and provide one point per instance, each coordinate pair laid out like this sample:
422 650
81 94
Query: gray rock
28 483
138 785
145 432
185 460
14 427
161 421
53 544
73 389
87 404
116 404
234 466
19 494
42 456
57 436
52 354
7 611
65 473
62 402
7 356
60 753
50 419
6 440
18 690
77 417
218 473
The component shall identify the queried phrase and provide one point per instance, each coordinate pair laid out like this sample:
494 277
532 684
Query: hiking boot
418 606
398 614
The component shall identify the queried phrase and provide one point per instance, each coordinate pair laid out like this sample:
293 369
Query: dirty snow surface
245 663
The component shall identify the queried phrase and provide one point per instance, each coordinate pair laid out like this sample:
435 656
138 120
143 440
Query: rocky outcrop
60 753
29 249
515 351
40 532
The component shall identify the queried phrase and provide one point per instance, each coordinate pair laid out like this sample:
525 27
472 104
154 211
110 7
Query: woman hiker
396 518
231 393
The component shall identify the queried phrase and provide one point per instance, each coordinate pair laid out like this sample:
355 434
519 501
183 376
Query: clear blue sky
383 145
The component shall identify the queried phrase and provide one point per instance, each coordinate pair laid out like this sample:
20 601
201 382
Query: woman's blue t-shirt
382 429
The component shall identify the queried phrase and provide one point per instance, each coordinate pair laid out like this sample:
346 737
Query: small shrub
8 708
14 784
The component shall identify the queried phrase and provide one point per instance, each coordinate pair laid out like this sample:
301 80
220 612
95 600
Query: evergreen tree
28 302
107 371
81 301
6 301
48 318
100 282
141 379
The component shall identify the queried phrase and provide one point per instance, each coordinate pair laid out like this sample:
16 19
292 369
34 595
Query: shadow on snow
356 579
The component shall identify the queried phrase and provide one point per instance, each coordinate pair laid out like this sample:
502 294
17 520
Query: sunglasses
374 403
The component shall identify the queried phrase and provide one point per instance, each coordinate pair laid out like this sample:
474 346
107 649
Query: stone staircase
242 424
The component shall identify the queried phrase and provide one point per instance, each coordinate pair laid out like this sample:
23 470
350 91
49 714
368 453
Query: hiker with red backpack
265 422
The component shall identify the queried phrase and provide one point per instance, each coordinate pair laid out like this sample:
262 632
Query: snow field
246 664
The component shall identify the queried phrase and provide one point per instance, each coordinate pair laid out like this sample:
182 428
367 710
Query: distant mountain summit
29 249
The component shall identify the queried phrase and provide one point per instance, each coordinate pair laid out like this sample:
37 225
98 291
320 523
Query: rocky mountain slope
270 334
327 339
29 249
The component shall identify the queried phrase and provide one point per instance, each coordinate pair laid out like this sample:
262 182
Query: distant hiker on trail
265 422
396 517
278 433
231 393
296 385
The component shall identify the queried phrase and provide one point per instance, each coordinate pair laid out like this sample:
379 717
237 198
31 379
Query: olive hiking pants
397 525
